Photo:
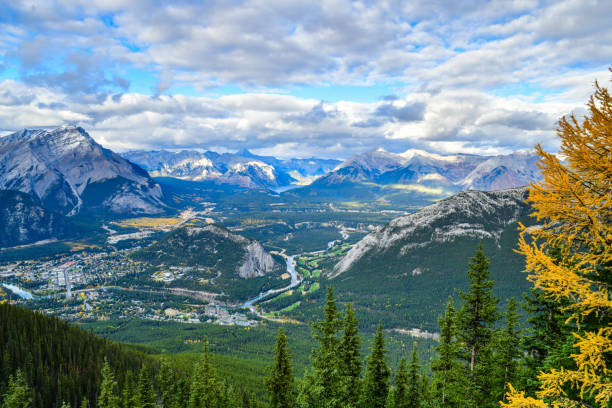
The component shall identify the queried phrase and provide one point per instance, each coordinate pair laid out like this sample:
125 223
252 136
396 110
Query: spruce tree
146 397
167 383
508 350
108 390
321 386
445 367
280 383
85 403
399 394
129 391
415 391
375 387
205 389
18 394
476 320
351 365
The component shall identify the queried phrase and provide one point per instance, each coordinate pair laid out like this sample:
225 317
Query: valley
235 258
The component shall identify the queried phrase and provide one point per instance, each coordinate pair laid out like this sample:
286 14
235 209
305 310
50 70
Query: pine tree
445 367
508 350
108 390
146 397
205 389
351 365
573 207
18 394
280 383
320 387
129 391
476 320
399 394
375 387
85 403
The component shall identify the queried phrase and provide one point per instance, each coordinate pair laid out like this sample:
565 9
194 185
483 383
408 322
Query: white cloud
451 59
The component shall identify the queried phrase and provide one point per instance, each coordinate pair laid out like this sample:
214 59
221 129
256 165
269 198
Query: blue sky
293 78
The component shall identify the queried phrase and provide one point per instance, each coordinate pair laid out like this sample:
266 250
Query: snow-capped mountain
418 167
476 215
68 171
242 168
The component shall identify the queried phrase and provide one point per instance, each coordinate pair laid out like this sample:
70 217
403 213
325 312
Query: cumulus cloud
478 76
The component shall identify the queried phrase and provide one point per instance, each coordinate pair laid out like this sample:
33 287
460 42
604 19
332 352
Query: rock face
475 215
454 172
69 172
23 221
242 168
258 262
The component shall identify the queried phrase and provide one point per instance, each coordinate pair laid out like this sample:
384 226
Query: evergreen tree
18 394
167 382
445 367
321 386
205 386
351 364
280 383
108 390
146 397
399 395
129 391
508 350
415 391
66 405
375 387
84 403
476 320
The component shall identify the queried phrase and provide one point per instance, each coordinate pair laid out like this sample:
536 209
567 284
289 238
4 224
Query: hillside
213 258
24 221
60 362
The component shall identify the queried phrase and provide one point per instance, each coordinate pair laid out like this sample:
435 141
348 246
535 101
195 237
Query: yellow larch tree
573 207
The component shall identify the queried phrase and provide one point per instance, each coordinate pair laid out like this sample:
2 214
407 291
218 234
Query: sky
299 79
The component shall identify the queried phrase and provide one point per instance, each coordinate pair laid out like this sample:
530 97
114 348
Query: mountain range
420 168
241 168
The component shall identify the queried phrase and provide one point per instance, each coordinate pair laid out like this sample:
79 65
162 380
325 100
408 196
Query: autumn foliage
573 208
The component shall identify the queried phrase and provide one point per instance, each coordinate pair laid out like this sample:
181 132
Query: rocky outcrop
258 262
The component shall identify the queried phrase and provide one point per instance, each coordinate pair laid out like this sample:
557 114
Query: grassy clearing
147 222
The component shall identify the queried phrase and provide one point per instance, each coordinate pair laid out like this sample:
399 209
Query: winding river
294 282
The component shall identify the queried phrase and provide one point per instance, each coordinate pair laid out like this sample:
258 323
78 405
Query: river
24 294
294 282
